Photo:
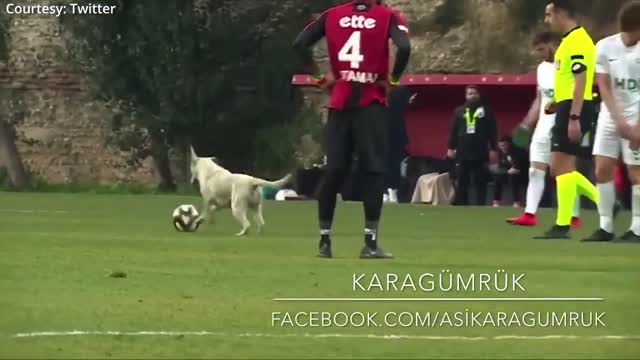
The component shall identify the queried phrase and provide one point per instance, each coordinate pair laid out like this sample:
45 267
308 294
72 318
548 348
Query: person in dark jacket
512 168
473 134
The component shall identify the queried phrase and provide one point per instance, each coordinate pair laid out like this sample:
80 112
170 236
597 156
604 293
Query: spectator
511 169
473 133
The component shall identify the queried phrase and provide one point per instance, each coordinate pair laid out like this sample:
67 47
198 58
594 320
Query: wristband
574 117
394 82
320 79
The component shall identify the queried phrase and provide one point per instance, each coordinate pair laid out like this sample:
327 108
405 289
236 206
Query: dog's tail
194 157
278 184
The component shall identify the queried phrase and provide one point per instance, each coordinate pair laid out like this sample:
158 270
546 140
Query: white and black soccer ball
185 218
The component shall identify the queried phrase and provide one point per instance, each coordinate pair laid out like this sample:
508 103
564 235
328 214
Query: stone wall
62 129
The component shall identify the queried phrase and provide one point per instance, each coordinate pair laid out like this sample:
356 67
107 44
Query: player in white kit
618 77
545 45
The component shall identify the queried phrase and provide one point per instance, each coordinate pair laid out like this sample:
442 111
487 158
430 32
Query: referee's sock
577 208
586 188
566 191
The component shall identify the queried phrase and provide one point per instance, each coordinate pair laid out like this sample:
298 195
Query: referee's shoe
555 233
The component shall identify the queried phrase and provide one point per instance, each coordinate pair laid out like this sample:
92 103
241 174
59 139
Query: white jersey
540 150
546 74
622 64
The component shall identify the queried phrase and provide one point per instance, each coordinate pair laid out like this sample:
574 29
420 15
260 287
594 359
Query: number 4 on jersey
350 52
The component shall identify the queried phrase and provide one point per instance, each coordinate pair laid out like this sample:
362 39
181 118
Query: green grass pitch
57 251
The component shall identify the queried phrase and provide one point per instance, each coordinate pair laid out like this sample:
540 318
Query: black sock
326 194
372 199
373 191
371 238
326 210
325 237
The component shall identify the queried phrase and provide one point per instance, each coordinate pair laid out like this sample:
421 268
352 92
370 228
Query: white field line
528 299
34 211
321 336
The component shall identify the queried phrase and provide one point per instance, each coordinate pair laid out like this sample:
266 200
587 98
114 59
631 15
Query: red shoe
576 223
524 220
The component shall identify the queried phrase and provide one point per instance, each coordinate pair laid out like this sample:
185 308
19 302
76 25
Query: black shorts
360 132
559 137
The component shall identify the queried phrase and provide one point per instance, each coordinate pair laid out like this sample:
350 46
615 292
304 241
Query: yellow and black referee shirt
575 55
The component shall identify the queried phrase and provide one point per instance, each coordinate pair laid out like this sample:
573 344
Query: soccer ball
185 218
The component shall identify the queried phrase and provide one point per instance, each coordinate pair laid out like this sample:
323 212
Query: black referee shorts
559 133
362 132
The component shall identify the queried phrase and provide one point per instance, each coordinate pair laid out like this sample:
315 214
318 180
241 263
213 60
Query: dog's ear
194 157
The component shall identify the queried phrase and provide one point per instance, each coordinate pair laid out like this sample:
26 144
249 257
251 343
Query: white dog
222 189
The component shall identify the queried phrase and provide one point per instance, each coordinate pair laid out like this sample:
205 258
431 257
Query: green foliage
5 180
4 36
280 156
448 15
215 73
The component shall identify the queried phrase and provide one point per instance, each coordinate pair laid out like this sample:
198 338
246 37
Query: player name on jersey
358 76
358 22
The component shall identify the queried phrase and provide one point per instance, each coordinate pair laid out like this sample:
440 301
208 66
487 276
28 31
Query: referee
575 62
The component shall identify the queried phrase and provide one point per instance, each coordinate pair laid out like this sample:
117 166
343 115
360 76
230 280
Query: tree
133 58
8 149
214 73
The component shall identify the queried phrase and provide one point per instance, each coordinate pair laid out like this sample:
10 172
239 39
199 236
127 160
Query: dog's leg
204 212
212 210
240 213
258 219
